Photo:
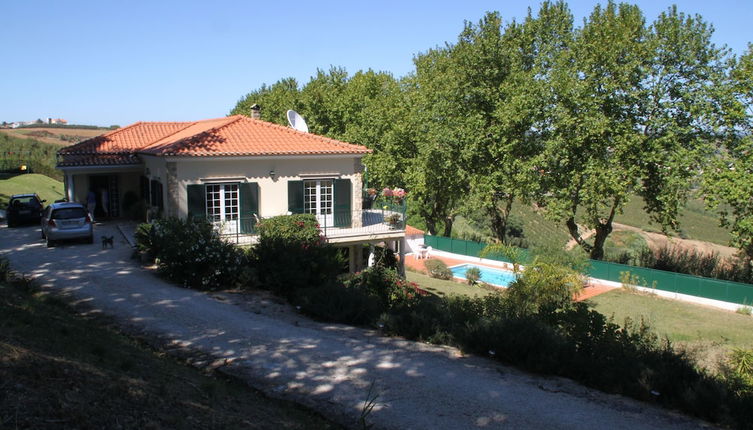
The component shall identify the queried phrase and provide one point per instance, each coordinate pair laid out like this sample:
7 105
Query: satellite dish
297 122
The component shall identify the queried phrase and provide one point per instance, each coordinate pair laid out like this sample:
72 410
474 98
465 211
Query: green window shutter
343 196
295 197
197 201
249 195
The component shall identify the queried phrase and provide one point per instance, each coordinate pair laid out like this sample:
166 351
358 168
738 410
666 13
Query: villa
232 171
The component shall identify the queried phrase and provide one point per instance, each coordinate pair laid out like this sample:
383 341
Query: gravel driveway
329 367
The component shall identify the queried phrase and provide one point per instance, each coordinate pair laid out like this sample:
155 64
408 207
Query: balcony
383 220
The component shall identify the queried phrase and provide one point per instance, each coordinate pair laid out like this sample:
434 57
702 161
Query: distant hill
55 134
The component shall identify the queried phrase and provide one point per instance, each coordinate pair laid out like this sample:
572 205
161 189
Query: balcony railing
340 225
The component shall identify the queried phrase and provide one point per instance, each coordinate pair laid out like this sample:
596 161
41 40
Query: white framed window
222 202
318 199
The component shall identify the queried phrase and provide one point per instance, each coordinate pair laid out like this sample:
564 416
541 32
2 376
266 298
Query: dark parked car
24 209
64 221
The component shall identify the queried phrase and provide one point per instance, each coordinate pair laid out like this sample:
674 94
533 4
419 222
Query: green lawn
47 188
444 288
706 331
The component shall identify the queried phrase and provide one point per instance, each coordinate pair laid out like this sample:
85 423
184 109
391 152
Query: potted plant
392 219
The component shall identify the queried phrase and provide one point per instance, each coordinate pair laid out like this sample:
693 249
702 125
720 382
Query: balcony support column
401 252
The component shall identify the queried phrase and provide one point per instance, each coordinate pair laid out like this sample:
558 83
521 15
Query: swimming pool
498 277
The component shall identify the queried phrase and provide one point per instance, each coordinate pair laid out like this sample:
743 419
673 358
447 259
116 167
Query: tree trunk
448 221
500 218
572 226
499 224
602 232
431 226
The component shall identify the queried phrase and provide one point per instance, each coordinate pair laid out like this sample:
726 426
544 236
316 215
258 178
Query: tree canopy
574 119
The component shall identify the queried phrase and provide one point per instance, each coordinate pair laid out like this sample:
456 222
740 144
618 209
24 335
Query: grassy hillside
47 188
61 370
39 156
695 221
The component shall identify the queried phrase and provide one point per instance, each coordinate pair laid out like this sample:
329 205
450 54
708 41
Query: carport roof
235 135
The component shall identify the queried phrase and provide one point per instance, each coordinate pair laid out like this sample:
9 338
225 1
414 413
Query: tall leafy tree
685 95
592 156
435 177
509 78
636 113
729 182
274 100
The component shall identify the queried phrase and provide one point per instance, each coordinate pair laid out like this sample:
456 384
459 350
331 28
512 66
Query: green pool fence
726 291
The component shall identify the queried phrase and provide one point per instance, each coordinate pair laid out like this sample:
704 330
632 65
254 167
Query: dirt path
657 240
329 367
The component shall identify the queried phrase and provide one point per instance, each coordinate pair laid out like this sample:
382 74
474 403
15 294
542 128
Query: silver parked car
64 221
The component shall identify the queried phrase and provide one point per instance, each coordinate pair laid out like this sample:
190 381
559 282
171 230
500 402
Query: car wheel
11 224
90 239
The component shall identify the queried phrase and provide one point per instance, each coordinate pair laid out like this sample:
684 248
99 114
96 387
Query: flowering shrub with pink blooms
191 253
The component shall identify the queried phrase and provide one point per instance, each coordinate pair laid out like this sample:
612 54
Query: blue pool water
500 278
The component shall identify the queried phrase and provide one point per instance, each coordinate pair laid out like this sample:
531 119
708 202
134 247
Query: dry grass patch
61 370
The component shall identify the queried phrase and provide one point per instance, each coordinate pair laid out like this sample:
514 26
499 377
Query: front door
317 199
222 206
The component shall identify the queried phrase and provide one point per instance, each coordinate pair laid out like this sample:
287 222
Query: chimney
256 111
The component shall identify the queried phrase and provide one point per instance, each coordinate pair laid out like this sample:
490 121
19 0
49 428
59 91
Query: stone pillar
357 198
173 194
69 191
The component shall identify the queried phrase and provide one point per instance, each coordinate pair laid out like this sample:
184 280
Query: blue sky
106 62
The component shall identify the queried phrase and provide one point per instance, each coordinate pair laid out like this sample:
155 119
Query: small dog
107 241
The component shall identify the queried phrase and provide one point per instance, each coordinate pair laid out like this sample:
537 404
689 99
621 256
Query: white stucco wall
273 194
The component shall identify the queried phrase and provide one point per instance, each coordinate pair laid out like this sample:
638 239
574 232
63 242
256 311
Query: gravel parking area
329 367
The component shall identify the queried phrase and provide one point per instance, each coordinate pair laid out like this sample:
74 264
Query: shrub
362 298
299 228
292 255
332 302
437 269
692 262
543 287
145 243
191 253
472 275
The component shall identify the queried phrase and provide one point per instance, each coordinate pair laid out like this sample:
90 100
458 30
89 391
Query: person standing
91 203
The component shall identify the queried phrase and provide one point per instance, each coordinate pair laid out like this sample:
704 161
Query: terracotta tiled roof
229 136
126 139
412 231
70 160
240 135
